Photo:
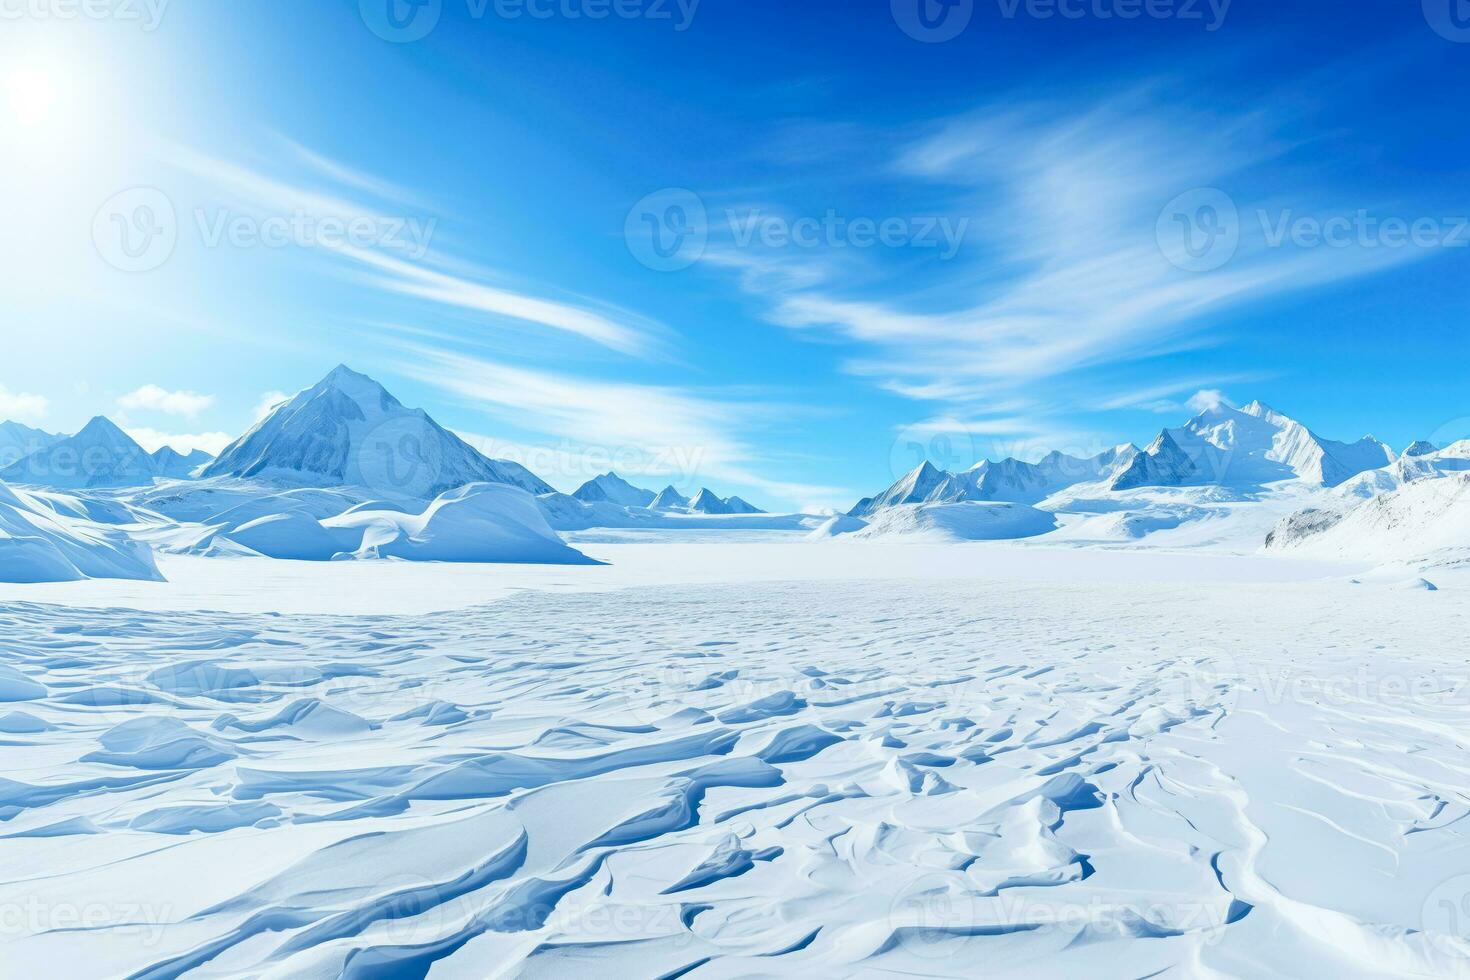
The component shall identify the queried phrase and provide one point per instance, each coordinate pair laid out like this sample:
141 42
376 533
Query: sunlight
32 93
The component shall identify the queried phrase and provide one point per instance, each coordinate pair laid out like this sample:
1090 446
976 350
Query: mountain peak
102 426
1421 447
614 489
348 430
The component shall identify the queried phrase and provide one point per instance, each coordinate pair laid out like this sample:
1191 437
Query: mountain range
344 431
1240 448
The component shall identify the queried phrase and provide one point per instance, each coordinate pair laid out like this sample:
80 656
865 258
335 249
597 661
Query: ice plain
721 759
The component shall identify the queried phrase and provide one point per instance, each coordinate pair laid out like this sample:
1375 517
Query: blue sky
879 246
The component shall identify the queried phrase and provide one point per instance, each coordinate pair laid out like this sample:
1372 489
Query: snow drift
481 522
967 521
38 544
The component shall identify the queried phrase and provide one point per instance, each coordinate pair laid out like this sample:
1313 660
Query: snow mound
37 544
1425 519
481 522
292 535
968 521
836 526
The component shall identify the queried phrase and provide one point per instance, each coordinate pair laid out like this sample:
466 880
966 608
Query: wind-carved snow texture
819 779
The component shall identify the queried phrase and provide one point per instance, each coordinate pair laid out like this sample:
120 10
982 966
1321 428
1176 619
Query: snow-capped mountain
19 441
707 502
1420 447
1240 448
924 484
1011 480
1162 464
170 463
1421 461
101 455
347 430
1251 446
669 499
614 489
739 506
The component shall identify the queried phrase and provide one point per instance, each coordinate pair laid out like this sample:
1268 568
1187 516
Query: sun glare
32 93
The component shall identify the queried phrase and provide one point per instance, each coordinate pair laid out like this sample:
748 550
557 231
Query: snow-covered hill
101 455
348 430
967 521
41 543
479 522
1425 520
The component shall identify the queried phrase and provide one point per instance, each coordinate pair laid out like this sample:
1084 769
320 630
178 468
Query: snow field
942 778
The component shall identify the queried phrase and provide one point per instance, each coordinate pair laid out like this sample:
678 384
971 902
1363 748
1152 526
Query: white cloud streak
435 277
678 433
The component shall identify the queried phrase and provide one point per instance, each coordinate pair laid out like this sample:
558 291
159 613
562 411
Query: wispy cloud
1165 397
1066 273
328 189
659 431
154 398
